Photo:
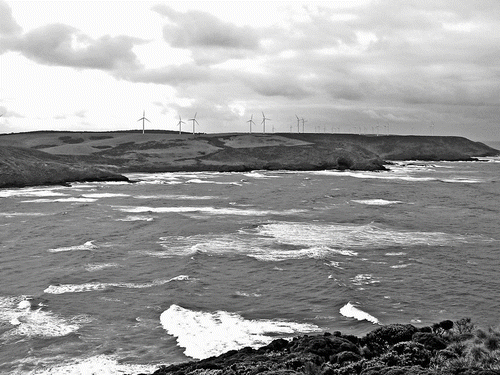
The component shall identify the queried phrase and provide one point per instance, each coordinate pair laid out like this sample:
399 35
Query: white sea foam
400 266
86 246
276 241
350 236
15 214
104 195
245 294
136 218
64 200
204 334
178 197
388 175
375 202
199 181
25 321
255 174
30 192
206 210
97 365
91 287
92 267
364 279
351 311
463 180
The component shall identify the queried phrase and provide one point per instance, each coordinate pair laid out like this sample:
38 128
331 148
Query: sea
119 278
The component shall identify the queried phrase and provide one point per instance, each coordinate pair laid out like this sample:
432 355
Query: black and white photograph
250 187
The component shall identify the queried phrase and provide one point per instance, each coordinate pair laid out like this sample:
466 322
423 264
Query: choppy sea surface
115 278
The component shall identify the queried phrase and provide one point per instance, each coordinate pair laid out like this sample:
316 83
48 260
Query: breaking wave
376 202
96 286
278 241
86 246
100 364
65 200
206 210
136 218
205 334
17 314
30 192
351 311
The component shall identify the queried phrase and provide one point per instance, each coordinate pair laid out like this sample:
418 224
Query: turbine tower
264 122
303 121
298 124
180 124
143 118
194 121
250 122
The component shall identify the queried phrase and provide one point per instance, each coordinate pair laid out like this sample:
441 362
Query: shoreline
55 158
449 348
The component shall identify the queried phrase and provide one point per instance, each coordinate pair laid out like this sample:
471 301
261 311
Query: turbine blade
147 120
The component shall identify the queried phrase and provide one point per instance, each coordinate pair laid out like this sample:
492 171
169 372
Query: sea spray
351 311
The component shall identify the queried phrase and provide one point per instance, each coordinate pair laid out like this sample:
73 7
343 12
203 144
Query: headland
57 157
445 348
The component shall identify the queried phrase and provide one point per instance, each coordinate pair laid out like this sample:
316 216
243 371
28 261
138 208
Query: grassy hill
49 157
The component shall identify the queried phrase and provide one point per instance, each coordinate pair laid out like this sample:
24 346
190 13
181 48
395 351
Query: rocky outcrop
21 167
395 349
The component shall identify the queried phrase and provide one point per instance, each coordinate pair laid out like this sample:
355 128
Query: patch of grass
469 348
71 140
99 137
102 147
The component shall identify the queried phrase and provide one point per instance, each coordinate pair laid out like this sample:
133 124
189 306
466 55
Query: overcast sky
398 66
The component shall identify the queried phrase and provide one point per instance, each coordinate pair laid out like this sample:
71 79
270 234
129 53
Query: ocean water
116 278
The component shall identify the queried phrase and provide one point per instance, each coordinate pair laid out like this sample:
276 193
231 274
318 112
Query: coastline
48 158
449 348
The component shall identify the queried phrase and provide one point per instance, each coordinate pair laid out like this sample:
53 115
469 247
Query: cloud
278 84
63 45
8 24
9 114
200 29
171 75
81 113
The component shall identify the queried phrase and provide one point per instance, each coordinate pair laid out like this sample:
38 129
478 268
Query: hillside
56 157
21 167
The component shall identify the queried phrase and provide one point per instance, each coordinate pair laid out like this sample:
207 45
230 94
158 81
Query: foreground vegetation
449 348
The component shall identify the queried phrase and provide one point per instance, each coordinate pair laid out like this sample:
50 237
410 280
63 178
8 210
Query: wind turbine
194 121
251 121
264 121
298 124
180 124
143 118
303 121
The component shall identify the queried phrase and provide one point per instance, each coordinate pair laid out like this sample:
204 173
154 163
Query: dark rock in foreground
21 167
395 349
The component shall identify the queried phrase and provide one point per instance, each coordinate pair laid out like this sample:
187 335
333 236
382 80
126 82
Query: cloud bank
379 61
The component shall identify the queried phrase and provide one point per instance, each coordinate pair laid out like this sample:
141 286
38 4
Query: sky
425 67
